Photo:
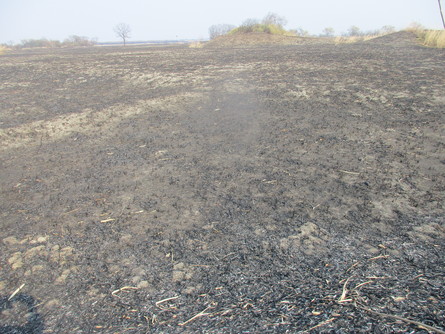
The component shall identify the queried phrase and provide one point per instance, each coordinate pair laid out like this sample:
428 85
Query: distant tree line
72 41
274 24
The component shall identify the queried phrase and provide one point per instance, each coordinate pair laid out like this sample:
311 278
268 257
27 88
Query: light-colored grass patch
3 49
196 45
432 38
353 39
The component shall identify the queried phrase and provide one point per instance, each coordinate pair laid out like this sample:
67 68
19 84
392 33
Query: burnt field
263 189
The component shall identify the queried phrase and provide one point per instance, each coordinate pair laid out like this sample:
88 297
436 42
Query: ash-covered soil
240 190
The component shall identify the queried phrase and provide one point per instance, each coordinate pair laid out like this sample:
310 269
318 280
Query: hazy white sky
190 19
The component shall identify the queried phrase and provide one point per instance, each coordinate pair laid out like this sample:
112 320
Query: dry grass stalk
16 292
361 284
123 289
342 298
107 220
200 314
165 300
347 172
320 324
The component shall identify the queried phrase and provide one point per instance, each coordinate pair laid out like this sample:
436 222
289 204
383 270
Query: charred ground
244 189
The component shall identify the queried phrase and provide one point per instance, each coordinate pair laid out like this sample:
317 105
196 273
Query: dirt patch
262 189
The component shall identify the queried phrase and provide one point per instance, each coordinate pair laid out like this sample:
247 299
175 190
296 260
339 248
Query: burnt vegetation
263 188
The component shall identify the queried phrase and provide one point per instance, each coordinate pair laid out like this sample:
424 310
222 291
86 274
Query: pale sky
191 19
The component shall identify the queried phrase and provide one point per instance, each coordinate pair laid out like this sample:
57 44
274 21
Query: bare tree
219 30
354 31
387 30
328 32
249 23
441 14
272 18
275 19
122 30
